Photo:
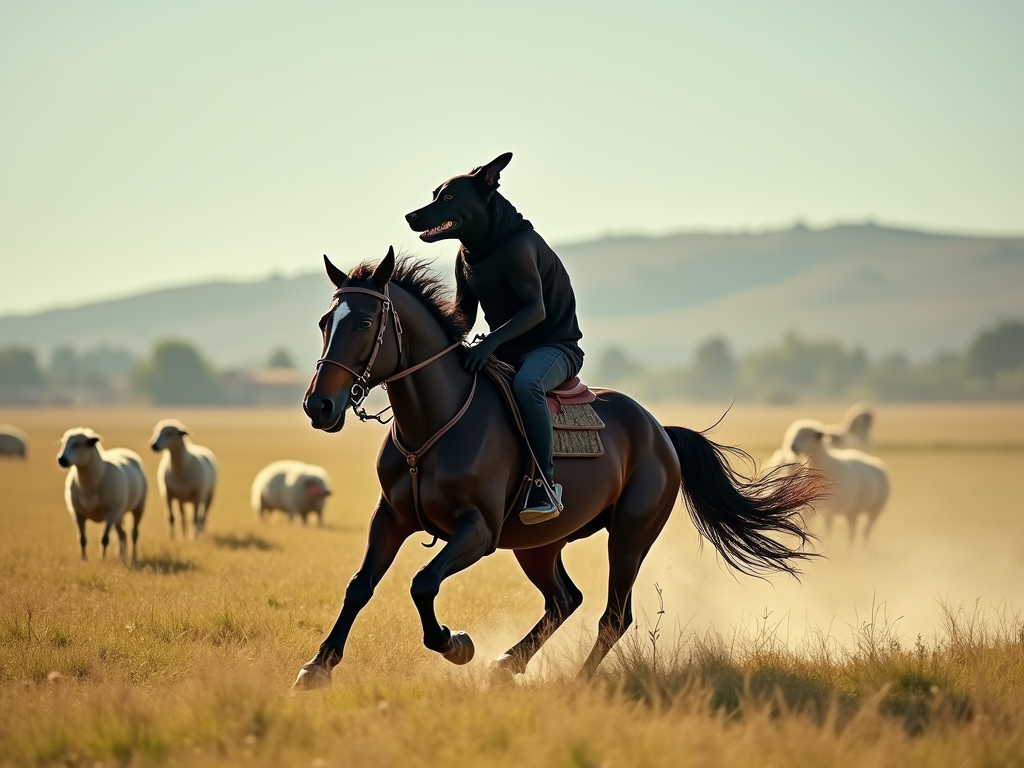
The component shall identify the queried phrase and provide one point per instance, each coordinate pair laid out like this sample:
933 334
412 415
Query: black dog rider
507 269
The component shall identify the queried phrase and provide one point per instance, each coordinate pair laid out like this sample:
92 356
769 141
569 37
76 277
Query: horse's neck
424 401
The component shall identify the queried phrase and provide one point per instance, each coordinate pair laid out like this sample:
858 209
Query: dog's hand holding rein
476 356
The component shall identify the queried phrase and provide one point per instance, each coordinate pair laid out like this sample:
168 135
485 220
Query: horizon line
798 224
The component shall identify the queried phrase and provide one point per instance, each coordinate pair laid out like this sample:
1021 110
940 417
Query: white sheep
854 431
859 483
187 473
102 486
13 442
292 487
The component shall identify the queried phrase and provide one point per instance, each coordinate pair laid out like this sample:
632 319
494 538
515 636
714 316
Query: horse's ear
382 274
492 171
337 276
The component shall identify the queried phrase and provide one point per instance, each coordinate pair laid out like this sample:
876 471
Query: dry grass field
905 652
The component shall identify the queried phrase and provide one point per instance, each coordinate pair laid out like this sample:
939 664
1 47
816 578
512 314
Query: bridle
361 387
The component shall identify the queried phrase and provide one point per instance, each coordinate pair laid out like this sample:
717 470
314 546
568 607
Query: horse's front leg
471 541
385 539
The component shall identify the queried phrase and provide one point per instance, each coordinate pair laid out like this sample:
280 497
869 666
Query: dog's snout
63 461
411 217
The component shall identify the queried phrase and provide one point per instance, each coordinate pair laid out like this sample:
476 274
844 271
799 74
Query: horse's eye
447 197
365 323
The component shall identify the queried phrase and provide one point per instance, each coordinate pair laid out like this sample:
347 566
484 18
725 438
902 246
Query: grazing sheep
13 442
292 487
187 473
859 482
102 486
855 431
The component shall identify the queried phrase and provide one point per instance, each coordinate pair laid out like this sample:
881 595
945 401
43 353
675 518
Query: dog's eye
447 197
365 323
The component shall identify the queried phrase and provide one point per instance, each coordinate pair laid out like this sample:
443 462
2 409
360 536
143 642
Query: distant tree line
174 373
797 369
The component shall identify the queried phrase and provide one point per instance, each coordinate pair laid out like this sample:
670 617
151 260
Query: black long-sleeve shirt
490 276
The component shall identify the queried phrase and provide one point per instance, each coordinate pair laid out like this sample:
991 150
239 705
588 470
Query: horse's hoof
460 649
505 668
312 676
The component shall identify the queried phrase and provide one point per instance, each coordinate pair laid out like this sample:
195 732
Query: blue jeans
540 370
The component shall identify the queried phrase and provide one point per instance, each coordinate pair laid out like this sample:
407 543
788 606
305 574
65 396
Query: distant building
266 386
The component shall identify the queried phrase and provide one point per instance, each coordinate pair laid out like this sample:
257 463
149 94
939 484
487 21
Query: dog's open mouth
435 231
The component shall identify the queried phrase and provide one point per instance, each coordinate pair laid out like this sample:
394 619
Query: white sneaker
539 507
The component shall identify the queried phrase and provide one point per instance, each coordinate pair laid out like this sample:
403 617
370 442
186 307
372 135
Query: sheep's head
77 446
317 492
804 437
166 433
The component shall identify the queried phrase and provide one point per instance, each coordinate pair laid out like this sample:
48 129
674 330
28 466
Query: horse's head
357 354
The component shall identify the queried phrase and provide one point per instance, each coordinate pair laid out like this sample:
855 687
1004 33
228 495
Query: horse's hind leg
618 614
471 541
543 566
636 522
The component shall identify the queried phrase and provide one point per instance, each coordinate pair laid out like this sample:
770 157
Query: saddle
576 424
571 392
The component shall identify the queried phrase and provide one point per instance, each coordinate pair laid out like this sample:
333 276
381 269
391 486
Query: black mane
417 278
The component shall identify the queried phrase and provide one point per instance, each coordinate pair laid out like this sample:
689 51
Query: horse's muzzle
325 413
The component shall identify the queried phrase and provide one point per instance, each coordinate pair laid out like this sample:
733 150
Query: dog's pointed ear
94 439
384 270
491 172
336 275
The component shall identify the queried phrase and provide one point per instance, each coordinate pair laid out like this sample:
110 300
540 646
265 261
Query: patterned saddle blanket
577 431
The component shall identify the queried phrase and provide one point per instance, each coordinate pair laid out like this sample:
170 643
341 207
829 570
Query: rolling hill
885 289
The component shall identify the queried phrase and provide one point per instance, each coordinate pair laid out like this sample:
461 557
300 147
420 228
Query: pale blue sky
144 143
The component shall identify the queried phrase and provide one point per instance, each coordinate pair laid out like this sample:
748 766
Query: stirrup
548 511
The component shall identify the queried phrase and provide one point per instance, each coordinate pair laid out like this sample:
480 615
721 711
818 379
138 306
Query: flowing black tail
737 513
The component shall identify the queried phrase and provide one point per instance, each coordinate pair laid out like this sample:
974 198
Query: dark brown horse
454 466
